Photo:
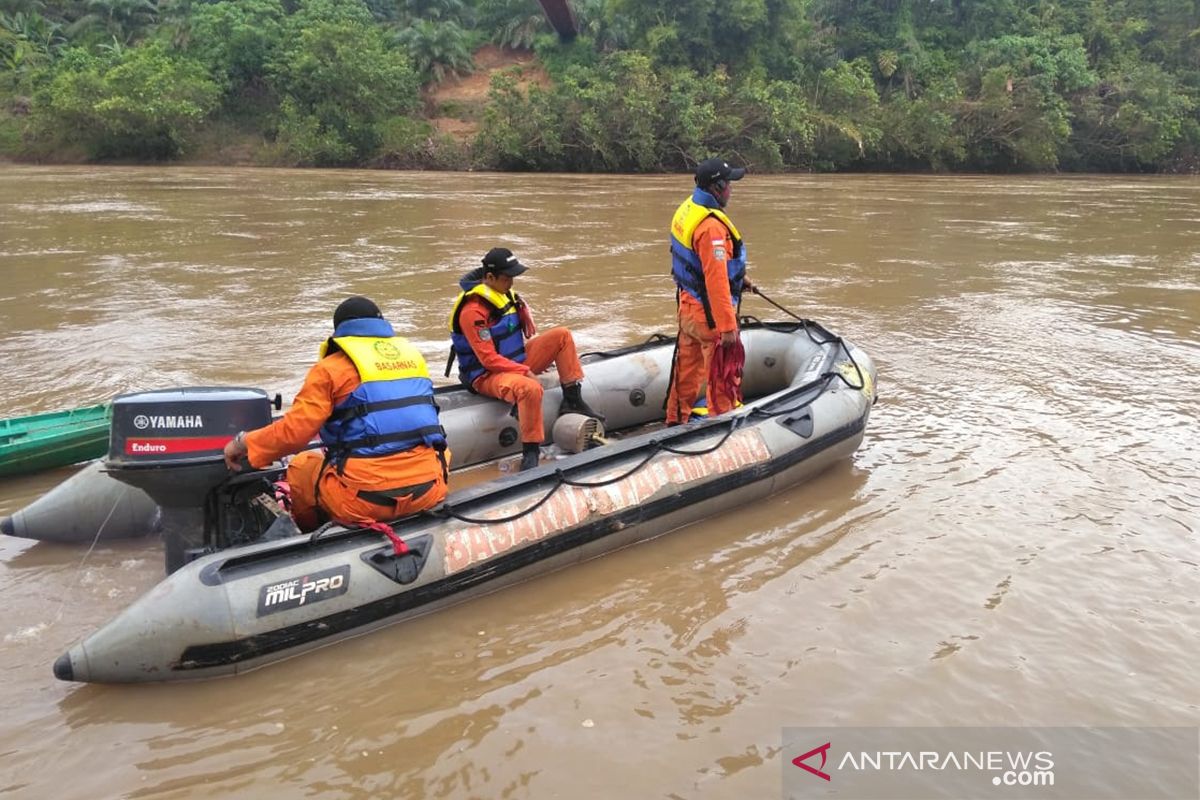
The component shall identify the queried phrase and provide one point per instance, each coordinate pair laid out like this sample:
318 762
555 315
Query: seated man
489 327
371 400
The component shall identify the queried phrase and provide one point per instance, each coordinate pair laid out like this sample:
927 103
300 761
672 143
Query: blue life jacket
686 268
504 331
393 409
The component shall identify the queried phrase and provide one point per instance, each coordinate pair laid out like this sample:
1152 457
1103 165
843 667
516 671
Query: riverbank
442 138
508 113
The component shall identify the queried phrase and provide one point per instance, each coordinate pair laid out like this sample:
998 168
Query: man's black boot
529 456
573 403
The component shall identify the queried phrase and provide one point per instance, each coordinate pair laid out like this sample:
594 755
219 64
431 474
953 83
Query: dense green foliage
984 85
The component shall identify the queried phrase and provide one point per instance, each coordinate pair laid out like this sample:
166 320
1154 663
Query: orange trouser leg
697 343
302 478
341 501
691 367
555 346
696 327
525 392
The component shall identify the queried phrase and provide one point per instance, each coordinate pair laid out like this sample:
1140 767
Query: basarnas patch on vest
485 335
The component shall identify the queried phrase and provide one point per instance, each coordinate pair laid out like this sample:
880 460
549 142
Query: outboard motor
170 444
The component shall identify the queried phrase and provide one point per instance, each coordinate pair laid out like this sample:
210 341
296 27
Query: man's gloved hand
729 337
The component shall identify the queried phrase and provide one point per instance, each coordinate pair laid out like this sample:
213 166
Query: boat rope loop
561 479
808 326
446 511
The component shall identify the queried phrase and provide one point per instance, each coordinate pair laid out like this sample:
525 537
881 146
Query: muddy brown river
1015 543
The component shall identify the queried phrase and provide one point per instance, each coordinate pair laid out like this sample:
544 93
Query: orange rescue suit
328 383
712 243
512 381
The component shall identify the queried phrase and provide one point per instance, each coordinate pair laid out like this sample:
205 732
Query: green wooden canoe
45 441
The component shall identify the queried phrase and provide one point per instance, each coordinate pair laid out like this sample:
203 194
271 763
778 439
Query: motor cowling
170 442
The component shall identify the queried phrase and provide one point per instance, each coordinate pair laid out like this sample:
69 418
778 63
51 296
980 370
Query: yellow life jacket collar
383 359
495 299
688 217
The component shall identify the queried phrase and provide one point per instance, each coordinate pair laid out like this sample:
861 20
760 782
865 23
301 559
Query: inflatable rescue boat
245 589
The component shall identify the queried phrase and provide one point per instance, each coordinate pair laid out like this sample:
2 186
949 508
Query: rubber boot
573 403
529 455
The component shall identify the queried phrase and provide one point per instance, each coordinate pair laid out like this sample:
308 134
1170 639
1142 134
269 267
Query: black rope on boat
807 325
734 422
793 315
447 511
654 338
564 480
671 375
561 479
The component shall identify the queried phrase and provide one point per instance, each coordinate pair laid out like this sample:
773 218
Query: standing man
708 263
371 400
494 338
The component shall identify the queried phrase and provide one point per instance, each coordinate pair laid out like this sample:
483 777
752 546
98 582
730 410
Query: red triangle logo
799 761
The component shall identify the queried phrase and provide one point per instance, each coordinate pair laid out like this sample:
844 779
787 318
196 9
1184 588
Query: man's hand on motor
235 450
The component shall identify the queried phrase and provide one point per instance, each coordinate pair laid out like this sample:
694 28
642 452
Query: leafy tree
438 50
142 102
431 9
511 23
413 143
520 131
622 115
339 80
740 34
28 41
846 106
236 39
308 13
384 10
123 20
607 31
1134 120
921 132
1018 115
783 84
613 113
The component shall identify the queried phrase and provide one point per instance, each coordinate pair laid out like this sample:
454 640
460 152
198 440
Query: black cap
717 169
501 261
355 308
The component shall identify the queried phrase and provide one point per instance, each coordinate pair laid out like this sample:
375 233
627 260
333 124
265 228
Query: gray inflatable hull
243 608
89 506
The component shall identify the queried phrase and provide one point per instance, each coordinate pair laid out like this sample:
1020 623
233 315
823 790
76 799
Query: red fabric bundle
725 369
525 315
